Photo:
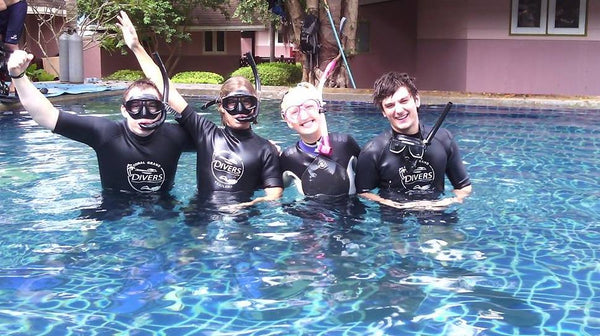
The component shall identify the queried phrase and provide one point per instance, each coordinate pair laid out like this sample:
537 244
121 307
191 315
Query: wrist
16 76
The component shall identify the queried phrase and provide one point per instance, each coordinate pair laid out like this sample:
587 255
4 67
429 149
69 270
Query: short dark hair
386 85
143 84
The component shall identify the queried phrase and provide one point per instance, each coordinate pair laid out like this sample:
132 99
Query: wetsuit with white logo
401 176
237 162
128 162
317 174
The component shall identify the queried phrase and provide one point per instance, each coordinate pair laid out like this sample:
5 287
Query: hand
235 208
129 33
434 205
18 62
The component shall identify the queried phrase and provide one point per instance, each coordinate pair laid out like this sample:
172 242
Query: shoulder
378 142
290 151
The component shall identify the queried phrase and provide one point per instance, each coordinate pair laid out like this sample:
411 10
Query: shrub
39 75
276 73
197 77
126 75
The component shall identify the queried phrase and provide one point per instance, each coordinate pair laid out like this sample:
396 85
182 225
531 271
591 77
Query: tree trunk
71 14
329 47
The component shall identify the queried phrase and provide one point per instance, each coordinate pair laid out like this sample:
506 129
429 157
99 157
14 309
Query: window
362 37
279 39
214 42
548 17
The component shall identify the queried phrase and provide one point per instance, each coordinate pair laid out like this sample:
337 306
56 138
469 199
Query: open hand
129 34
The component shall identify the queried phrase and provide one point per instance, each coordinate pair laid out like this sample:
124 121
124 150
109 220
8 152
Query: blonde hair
236 83
304 90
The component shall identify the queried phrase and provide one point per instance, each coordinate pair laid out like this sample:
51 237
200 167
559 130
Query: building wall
192 57
263 43
472 50
392 35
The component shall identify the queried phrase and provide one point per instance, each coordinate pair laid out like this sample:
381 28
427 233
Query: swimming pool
519 257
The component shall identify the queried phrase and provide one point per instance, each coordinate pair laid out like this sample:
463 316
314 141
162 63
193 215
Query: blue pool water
519 257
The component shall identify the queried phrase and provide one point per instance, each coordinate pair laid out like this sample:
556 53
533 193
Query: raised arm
150 68
38 106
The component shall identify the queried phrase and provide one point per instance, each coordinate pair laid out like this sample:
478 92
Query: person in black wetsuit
12 22
232 162
138 154
408 176
312 172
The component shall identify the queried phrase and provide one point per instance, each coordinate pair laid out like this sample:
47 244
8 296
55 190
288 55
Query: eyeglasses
292 113
240 104
135 106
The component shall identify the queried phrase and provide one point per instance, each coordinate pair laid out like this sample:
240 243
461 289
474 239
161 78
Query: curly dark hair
386 85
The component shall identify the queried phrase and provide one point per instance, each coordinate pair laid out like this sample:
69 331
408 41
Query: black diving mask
241 105
400 143
145 106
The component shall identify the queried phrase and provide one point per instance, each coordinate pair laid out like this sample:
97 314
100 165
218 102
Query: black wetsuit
12 21
317 174
400 176
237 162
128 162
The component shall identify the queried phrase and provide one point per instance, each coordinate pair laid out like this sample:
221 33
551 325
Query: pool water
519 257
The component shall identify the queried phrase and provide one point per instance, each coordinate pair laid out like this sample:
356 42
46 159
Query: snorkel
325 145
437 125
165 96
252 116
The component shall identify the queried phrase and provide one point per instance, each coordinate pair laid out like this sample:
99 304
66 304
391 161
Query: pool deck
364 95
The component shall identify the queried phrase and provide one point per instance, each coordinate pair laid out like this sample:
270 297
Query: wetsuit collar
312 149
138 138
239 133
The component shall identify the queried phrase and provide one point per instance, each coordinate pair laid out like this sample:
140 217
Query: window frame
547 20
215 42
581 29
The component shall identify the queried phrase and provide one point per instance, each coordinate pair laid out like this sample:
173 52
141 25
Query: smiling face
135 125
401 111
301 110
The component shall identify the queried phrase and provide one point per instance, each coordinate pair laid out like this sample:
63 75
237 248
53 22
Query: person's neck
311 139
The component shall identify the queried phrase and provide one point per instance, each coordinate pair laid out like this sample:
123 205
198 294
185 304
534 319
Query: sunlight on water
518 257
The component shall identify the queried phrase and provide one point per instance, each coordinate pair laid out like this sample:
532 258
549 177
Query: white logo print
227 168
420 179
145 176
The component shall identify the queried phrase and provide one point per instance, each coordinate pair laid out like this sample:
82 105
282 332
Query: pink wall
192 57
263 49
442 65
393 29
472 50
91 58
537 67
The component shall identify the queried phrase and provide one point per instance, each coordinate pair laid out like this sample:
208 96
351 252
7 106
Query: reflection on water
518 257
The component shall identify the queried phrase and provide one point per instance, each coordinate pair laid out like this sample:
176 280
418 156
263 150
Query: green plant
38 75
126 75
275 74
197 77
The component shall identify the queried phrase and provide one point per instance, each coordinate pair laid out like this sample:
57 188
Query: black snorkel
165 96
437 125
254 115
